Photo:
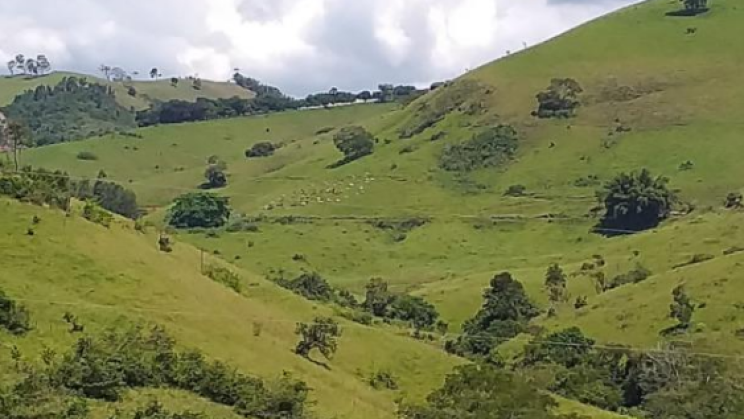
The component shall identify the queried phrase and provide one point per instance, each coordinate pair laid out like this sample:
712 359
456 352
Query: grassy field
677 96
104 276
147 91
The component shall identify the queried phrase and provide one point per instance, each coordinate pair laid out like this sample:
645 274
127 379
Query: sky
300 46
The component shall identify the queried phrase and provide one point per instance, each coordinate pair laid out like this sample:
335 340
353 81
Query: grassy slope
147 91
689 108
77 265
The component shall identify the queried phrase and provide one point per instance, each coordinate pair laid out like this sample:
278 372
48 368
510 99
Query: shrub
86 155
490 148
415 310
164 244
262 149
224 276
734 200
14 317
383 380
242 225
309 285
636 275
95 214
560 100
215 176
515 190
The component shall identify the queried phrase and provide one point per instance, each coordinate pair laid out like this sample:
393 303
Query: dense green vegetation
73 109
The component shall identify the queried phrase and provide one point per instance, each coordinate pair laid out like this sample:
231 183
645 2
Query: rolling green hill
147 91
659 92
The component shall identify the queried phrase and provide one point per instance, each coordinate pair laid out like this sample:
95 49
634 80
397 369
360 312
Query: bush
242 225
490 148
634 276
383 380
262 149
414 310
14 317
515 190
215 176
309 285
86 155
199 210
224 276
95 214
560 100
734 200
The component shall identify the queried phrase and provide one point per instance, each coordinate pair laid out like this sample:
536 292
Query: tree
32 67
560 100
174 81
154 73
311 286
681 308
505 312
365 95
11 67
199 210
197 83
484 392
355 142
14 318
636 201
387 93
119 74
17 137
322 335
377 298
43 63
20 61
216 177
419 312
568 347
555 283
106 70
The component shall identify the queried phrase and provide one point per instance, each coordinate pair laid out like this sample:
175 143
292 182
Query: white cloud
299 45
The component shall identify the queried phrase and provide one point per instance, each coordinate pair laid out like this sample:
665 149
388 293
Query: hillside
660 92
147 91
104 276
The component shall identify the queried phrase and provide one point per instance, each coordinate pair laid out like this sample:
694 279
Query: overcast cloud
300 46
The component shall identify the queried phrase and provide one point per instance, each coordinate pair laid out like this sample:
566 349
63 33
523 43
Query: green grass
73 265
147 91
688 107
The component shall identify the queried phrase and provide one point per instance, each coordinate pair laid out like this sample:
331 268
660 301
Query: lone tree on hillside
681 308
355 142
321 335
560 100
154 73
16 137
636 202
199 210
555 282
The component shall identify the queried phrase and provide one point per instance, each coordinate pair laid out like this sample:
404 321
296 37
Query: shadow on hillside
318 363
687 13
675 330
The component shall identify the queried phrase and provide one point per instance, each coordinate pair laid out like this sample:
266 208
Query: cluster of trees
669 383
505 313
29 66
71 110
695 6
482 391
635 201
199 210
55 188
490 148
379 300
102 368
560 100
